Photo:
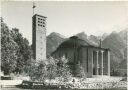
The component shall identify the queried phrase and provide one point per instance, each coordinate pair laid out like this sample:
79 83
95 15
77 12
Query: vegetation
38 71
16 56
50 69
63 69
15 50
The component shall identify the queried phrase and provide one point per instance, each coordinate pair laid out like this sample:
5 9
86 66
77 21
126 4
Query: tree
24 52
52 68
38 71
8 50
63 69
16 52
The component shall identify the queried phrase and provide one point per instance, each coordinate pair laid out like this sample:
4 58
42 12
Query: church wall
94 62
100 62
84 58
67 52
90 62
84 55
105 63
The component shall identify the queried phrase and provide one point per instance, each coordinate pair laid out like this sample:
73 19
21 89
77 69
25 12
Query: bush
50 69
38 71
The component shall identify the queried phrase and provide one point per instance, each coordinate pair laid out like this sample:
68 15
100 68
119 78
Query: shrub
50 69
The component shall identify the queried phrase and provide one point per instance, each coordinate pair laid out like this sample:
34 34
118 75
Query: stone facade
39 37
94 60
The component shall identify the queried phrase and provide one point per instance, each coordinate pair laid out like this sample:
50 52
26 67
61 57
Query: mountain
123 64
116 45
53 41
94 39
104 36
84 37
123 35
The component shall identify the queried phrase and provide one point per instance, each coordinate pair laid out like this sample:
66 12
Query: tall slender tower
39 37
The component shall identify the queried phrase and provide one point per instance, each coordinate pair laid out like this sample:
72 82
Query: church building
94 60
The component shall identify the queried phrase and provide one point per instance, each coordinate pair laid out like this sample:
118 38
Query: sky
67 18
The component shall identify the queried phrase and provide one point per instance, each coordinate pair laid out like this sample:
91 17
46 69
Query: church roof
73 42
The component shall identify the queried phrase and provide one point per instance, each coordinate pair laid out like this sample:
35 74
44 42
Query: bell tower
39 37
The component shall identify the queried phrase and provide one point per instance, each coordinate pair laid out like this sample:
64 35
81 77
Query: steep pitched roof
74 41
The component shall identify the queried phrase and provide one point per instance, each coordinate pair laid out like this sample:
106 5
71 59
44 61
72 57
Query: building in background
94 60
39 37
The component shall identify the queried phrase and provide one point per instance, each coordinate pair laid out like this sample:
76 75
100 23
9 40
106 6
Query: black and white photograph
63 45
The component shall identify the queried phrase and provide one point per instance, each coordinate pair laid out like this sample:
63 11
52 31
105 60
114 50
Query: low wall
10 83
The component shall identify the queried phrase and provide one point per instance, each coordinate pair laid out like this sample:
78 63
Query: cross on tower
34 6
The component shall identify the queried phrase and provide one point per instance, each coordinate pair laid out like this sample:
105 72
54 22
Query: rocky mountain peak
54 34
